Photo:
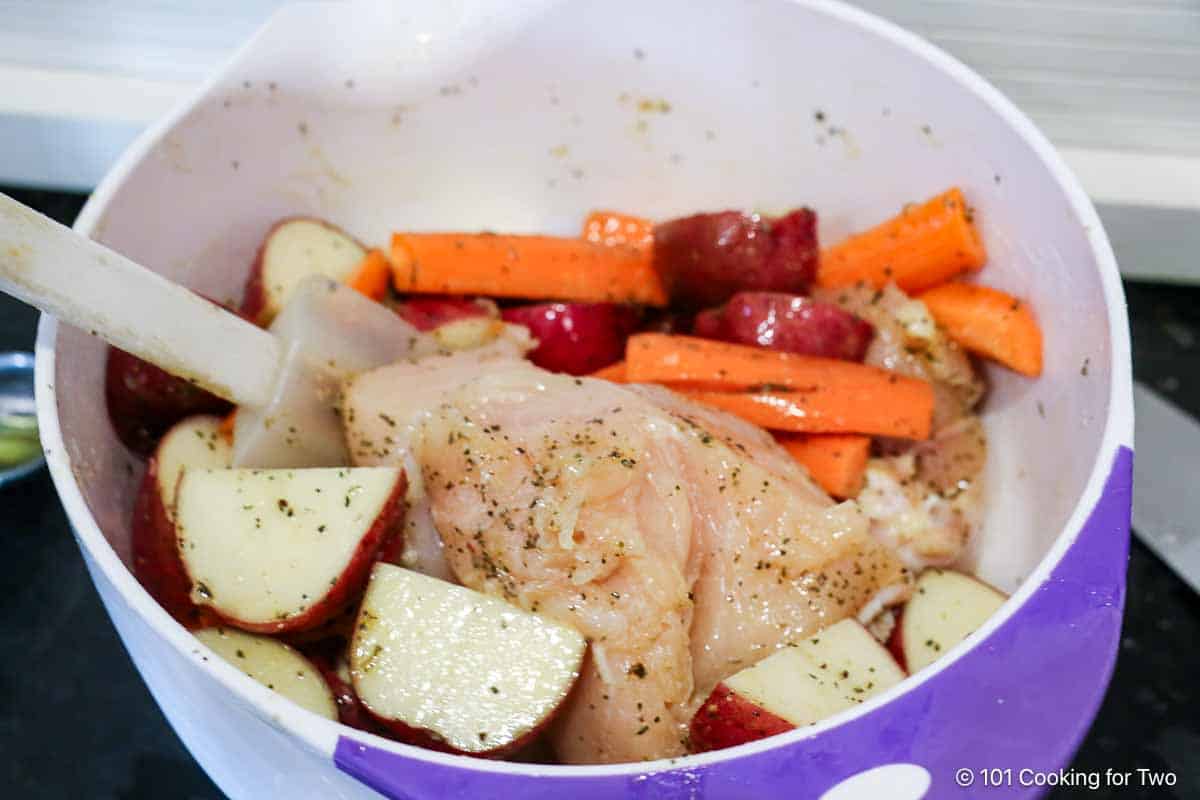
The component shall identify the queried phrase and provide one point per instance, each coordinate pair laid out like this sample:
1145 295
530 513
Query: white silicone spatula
283 380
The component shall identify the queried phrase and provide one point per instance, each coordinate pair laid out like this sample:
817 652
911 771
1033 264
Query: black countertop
76 720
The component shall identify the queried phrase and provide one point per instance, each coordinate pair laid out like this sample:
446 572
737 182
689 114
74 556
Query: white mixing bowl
522 116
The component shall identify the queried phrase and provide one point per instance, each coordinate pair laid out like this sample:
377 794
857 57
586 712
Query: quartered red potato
660 488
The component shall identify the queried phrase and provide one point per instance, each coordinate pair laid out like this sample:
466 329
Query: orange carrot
904 410
725 366
542 267
789 392
614 228
371 275
226 426
836 461
989 322
924 246
613 372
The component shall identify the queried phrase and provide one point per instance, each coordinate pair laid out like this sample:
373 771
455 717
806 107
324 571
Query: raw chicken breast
682 542
924 502
923 498
388 438
908 341
778 558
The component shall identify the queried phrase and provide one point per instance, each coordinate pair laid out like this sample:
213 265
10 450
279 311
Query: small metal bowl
20 451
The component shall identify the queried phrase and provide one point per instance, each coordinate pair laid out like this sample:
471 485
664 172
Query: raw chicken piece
908 341
761 529
924 503
387 442
682 542
923 498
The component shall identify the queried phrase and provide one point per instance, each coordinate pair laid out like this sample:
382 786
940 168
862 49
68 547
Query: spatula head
327 332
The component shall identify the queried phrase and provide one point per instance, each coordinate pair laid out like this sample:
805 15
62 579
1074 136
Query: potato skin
156 562
427 313
339 626
727 719
420 737
706 258
895 642
788 322
576 338
254 295
324 656
144 401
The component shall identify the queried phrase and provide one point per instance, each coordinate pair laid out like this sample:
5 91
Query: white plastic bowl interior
523 116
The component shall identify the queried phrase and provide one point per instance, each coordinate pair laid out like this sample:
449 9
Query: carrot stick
371 275
614 228
613 372
904 414
924 246
836 461
725 366
541 267
789 392
226 426
989 322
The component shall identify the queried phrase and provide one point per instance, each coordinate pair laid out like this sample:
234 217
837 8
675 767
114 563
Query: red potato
427 313
193 442
144 401
392 551
706 258
284 550
339 626
822 675
537 750
331 661
664 320
576 338
709 324
788 322
489 677
291 251
275 665
727 719
945 608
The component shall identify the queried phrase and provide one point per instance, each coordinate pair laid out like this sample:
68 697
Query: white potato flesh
946 607
834 669
275 665
302 247
195 442
474 670
267 545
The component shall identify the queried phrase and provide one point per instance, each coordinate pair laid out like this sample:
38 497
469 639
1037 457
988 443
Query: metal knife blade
1166 481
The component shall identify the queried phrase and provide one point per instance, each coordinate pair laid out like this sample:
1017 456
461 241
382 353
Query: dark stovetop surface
76 720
